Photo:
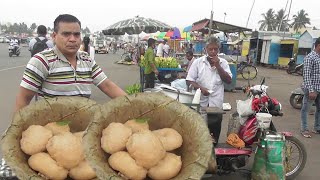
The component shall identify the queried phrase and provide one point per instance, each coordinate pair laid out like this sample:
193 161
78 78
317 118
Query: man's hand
156 72
204 91
312 95
215 61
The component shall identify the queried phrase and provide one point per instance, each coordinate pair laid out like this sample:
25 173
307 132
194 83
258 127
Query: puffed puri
56 128
45 165
115 137
82 172
66 149
167 168
145 148
35 139
122 161
136 125
169 138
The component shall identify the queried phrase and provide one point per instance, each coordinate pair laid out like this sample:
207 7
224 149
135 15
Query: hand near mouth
214 60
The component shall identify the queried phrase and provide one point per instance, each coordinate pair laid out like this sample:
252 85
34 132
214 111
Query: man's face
189 57
68 38
212 49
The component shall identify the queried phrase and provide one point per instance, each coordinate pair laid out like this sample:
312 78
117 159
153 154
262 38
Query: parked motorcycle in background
14 49
293 67
296 98
252 129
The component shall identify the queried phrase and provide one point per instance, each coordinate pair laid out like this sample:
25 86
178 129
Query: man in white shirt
160 49
166 49
209 73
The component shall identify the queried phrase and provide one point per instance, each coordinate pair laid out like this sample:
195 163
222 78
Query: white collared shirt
208 77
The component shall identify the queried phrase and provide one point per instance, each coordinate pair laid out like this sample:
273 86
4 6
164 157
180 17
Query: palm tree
281 22
268 21
300 20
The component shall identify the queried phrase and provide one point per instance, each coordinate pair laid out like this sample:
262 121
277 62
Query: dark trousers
150 78
214 125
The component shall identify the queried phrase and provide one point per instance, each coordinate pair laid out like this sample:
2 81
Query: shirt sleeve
31 44
193 72
35 73
307 66
97 74
50 44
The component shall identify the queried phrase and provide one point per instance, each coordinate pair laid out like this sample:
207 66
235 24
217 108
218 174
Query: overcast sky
98 14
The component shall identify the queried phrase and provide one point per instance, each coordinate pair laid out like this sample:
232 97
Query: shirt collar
61 56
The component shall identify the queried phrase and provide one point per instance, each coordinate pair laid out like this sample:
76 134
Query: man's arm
111 89
223 70
23 98
307 70
224 75
195 85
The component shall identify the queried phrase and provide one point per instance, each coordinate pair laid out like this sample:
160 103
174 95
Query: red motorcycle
230 159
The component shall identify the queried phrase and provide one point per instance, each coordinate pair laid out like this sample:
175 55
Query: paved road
279 81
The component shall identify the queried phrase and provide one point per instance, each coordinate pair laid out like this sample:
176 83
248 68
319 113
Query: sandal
306 134
316 131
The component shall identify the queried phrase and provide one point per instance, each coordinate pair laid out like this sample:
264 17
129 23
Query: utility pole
211 17
250 12
210 23
224 19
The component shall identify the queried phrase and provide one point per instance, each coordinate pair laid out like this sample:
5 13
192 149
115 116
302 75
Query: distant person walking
40 43
160 49
86 47
311 88
166 49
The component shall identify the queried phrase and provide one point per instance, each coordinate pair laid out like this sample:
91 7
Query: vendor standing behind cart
209 73
150 68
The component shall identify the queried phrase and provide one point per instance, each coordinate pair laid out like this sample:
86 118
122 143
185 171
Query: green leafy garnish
142 120
63 123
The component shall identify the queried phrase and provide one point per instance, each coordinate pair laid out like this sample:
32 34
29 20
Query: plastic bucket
264 120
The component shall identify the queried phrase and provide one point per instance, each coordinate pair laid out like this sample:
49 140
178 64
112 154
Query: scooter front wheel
296 101
295 157
289 71
10 54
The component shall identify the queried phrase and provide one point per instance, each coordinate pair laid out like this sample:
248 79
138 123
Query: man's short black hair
68 18
317 42
151 41
42 30
190 53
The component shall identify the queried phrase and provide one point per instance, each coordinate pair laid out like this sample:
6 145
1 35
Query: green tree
4 27
268 22
300 20
281 21
33 26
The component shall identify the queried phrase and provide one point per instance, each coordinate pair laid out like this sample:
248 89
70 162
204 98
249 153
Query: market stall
306 44
168 70
288 47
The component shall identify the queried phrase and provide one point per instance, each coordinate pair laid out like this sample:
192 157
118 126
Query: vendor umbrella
135 26
187 29
174 34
